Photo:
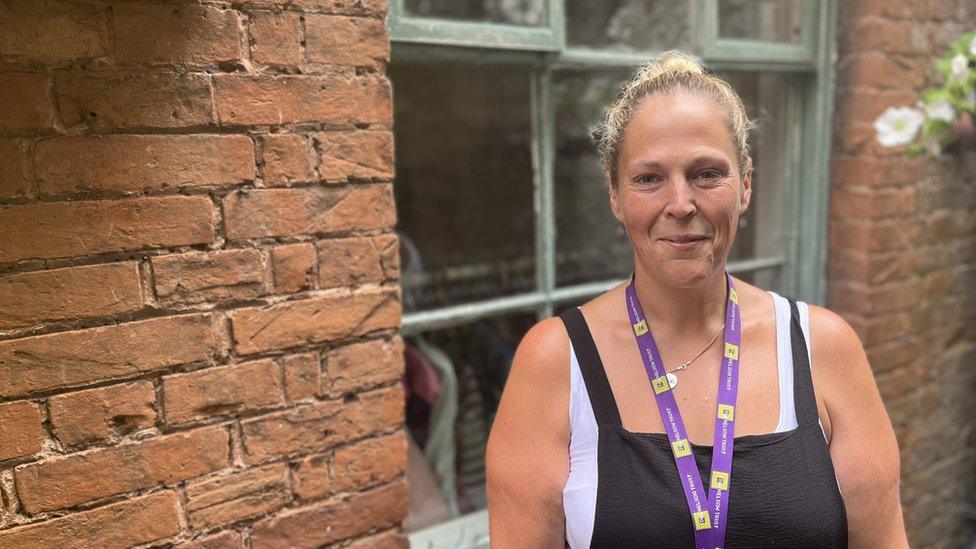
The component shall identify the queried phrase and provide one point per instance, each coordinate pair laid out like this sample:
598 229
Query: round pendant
672 380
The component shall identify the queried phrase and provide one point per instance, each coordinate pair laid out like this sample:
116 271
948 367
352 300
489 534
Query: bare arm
862 443
527 455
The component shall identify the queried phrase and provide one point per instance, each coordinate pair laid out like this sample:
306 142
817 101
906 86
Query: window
503 214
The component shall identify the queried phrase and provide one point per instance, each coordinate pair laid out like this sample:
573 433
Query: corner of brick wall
198 304
902 257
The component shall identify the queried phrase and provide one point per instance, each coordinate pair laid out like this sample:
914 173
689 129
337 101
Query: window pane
513 12
590 244
463 182
629 25
766 20
454 380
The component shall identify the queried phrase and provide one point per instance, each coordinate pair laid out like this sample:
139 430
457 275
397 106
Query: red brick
314 320
312 479
289 212
877 172
321 425
53 31
195 34
77 478
882 35
64 229
138 162
354 367
221 390
73 292
887 235
294 267
334 520
228 539
275 38
14 179
879 70
31 93
136 99
346 7
385 540
371 462
866 302
246 99
124 524
872 268
864 106
97 415
868 203
337 40
196 277
72 358
237 496
20 430
287 158
356 155
302 376
353 261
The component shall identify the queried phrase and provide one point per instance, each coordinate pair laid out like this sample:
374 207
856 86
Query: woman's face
679 191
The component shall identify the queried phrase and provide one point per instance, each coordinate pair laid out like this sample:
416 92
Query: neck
691 311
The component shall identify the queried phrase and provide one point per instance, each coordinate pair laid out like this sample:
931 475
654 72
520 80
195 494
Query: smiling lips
684 238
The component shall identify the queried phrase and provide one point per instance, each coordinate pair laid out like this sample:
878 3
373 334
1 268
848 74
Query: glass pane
590 244
454 379
530 13
629 25
766 20
463 182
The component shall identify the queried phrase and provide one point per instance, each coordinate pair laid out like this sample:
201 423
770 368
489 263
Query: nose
681 198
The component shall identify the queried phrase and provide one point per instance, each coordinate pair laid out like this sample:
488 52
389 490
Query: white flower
898 125
940 109
972 47
959 64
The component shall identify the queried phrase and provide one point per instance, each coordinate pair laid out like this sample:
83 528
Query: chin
685 273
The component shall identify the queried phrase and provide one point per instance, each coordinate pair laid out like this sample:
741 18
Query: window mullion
543 158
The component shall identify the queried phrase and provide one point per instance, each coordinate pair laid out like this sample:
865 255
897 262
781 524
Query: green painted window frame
806 174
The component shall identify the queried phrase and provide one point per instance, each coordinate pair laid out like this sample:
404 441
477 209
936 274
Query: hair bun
672 61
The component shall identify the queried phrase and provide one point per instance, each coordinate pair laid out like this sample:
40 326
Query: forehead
676 123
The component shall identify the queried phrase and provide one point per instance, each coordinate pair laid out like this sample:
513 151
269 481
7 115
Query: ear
746 187
614 197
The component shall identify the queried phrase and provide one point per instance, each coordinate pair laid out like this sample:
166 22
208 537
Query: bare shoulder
863 447
527 462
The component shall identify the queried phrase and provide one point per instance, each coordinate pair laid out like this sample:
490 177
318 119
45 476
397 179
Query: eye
710 175
646 179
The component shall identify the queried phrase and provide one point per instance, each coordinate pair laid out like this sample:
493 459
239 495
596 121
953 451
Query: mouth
684 242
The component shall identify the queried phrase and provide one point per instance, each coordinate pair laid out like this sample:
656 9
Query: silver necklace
673 379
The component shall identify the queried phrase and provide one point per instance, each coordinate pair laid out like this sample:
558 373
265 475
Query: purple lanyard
709 515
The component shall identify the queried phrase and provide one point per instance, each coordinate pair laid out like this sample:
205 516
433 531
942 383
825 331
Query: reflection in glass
765 20
453 381
463 182
629 25
590 244
513 12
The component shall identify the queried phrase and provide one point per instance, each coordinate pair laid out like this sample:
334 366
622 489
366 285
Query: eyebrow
700 159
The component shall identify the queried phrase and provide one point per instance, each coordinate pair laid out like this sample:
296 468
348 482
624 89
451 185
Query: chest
758 402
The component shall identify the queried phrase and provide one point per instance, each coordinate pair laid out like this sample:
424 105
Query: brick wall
902 261
198 300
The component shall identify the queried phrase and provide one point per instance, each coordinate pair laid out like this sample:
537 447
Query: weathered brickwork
902 257
196 219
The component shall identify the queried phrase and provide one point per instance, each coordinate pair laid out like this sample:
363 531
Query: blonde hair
670 72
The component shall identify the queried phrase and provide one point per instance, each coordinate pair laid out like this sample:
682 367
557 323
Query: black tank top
783 492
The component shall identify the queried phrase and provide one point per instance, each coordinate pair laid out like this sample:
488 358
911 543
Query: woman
605 430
